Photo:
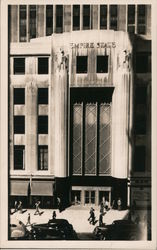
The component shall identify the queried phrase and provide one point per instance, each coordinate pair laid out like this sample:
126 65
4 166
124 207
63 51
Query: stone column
120 122
11 127
60 114
31 127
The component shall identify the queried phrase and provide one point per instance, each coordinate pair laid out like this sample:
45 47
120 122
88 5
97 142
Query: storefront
30 192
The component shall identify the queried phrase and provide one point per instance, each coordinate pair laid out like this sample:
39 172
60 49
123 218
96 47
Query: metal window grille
91 139
104 140
77 138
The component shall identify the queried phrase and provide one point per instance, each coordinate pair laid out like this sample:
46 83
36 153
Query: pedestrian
54 215
101 208
119 204
28 220
75 200
100 219
113 204
37 208
106 205
15 206
59 204
19 207
91 218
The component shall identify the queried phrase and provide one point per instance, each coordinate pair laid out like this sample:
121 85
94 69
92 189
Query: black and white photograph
77 88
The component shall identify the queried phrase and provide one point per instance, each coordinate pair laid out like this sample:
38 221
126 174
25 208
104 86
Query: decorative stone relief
61 60
123 59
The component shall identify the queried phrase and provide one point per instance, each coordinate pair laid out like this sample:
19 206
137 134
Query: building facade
80 104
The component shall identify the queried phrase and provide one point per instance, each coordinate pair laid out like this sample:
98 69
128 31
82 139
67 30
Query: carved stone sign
98 45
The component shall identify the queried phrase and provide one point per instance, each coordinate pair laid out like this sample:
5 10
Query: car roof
123 222
52 222
58 221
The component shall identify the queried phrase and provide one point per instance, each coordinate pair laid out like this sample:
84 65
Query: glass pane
90 138
113 17
131 14
18 157
77 138
87 197
23 23
104 139
103 16
32 21
49 20
93 197
76 17
86 17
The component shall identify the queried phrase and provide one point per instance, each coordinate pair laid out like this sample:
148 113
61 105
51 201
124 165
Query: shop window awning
19 188
41 188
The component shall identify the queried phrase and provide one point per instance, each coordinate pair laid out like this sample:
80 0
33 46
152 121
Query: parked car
118 230
55 229
18 230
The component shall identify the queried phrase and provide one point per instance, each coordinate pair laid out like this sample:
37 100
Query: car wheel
102 237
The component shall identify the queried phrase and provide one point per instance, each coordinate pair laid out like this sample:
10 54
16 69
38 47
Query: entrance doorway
104 196
76 197
90 132
90 197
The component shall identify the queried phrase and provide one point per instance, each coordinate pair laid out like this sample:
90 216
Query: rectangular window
43 65
139 158
103 16
19 124
143 62
102 64
32 21
86 17
81 66
19 96
42 95
49 20
19 157
43 124
76 17
141 95
19 66
59 18
23 23
140 110
43 157
131 18
140 119
141 19
113 17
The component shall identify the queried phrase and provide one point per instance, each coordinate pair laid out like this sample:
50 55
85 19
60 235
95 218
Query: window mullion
96 144
108 17
83 138
136 19
23 159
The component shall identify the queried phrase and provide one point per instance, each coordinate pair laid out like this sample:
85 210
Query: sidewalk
78 217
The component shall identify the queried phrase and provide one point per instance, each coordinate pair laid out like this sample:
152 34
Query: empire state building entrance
90 138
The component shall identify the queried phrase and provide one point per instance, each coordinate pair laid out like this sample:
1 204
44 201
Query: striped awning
19 187
42 188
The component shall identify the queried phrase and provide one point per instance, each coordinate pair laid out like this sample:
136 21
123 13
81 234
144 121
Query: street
77 216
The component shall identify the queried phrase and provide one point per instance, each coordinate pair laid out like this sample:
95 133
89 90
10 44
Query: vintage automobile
118 230
18 230
55 229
